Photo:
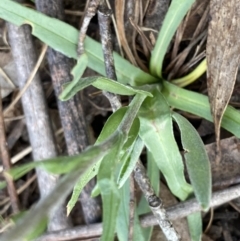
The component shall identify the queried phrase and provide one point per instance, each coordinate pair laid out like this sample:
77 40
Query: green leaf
138 234
195 226
197 162
174 16
122 226
130 162
109 128
38 213
101 83
77 73
59 165
123 212
109 191
123 121
64 38
156 131
198 104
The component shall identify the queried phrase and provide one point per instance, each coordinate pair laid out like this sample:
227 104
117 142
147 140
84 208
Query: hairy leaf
197 161
195 226
156 131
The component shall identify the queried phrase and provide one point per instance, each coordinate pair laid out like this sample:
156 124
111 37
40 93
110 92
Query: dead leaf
223 52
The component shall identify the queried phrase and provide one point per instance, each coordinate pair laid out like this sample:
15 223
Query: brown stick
6 162
71 112
175 212
104 18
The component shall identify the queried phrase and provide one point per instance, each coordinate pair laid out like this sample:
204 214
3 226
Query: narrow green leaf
123 121
130 162
188 101
109 128
109 191
174 16
123 212
77 73
156 131
195 226
38 230
64 38
59 165
38 213
137 229
101 83
197 162
111 201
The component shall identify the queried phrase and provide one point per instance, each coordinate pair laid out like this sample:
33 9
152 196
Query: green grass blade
101 83
63 38
197 162
109 191
156 131
174 16
123 213
198 104
195 226
130 162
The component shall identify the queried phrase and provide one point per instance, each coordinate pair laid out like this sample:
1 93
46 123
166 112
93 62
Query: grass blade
198 104
174 16
101 83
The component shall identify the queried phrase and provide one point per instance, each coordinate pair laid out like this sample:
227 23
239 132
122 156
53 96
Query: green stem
198 104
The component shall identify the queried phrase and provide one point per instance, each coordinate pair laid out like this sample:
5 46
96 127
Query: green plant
147 121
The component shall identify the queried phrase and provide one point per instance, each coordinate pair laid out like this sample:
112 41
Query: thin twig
154 202
6 161
178 211
21 189
104 18
29 81
91 11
